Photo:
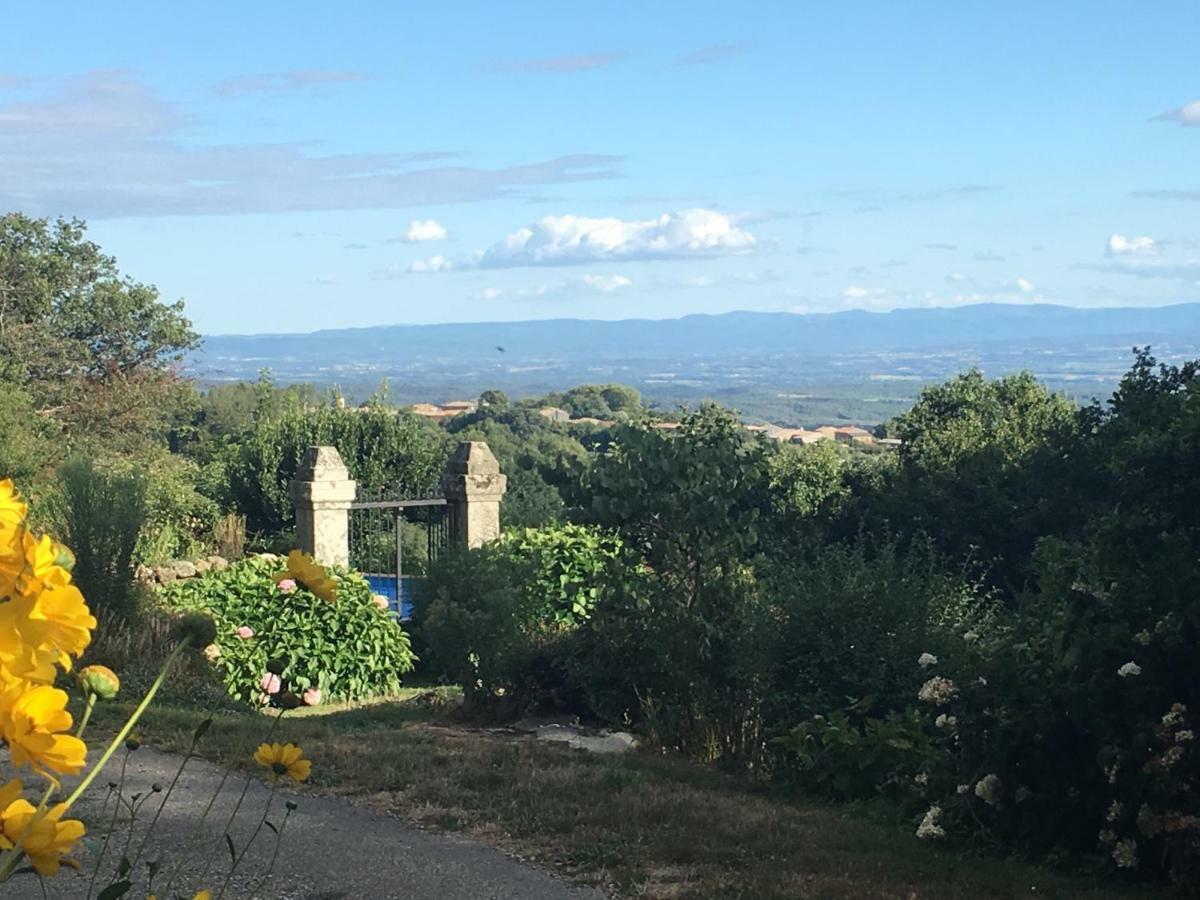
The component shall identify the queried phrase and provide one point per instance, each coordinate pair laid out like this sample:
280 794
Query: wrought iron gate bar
397 504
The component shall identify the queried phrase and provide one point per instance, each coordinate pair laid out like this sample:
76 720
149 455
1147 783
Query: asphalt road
331 849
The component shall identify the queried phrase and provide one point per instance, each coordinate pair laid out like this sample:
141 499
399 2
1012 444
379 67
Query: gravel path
331 849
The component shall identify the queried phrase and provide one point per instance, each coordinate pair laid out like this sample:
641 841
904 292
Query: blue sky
287 167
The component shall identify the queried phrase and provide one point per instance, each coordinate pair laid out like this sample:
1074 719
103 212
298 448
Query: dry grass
642 825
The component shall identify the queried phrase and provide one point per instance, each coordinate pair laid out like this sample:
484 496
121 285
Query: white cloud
562 65
491 293
279 82
607 283
573 240
1120 245
424 230
1025 286
432 264
105 144
1188 114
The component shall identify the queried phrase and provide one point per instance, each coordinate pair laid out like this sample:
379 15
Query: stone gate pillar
474 488
322 492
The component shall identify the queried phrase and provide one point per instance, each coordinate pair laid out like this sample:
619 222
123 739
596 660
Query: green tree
94 350
980 470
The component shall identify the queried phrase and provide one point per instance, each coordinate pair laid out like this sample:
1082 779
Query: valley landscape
790 369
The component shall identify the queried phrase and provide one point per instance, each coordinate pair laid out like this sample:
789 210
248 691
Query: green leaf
115 890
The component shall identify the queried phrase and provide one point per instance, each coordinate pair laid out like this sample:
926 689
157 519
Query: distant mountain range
723 336
857 366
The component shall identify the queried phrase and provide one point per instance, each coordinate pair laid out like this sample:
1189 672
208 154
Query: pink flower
287 586
380 601
312 697
271 683
245 632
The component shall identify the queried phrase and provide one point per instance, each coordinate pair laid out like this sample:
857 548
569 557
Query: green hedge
349 650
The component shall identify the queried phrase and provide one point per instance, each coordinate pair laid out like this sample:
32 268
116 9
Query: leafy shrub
179 518
677 649
348 650
852 620
493 617
102 516
847 755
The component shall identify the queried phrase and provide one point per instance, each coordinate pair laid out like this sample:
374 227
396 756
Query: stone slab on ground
332 850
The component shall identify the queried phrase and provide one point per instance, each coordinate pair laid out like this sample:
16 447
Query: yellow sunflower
32 722
284 759
312 575
44 836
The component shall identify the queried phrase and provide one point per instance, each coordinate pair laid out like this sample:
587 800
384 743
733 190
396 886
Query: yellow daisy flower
44 570
284 759
61 620
32 722
302 568
12 536
44 837
23 658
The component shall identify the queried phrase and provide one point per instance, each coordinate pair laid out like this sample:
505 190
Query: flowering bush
344 650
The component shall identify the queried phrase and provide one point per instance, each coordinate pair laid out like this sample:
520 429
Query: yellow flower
61 620
44 570
302 568
12 537
32 721
44 837
205 894
284 759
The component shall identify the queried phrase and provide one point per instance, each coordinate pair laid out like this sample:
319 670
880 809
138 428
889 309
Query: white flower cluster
945 721
1185 737
929 827
971 637
921 779
938 691
1175 716
925 660
1125 854
1114 812
987 789
1130 668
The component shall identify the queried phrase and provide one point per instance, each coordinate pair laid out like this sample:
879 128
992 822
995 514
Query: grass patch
640 825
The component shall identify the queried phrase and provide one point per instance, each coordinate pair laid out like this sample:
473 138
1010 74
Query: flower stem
128 726
274 855
238 859
166 797
237 806
87 714
112 823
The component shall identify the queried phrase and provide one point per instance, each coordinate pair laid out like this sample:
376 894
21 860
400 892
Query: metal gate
394 535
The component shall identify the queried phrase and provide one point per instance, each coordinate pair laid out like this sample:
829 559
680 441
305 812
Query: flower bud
100 680
132 743
289 700
276 666
196 629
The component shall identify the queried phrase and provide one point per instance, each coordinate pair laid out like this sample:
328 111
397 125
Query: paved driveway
331 849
